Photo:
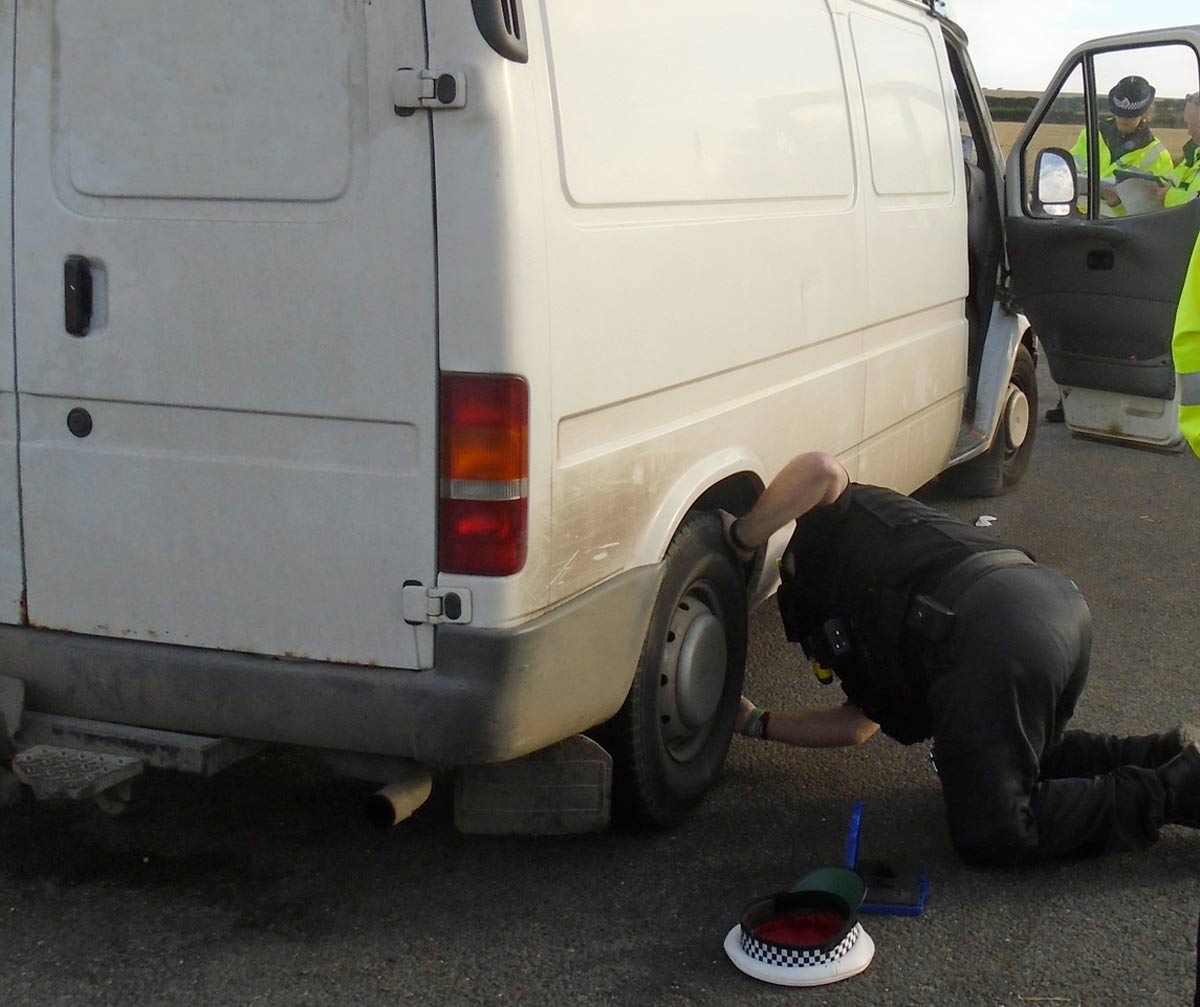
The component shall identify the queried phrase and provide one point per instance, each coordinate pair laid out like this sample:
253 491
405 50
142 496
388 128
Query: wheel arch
729 480
1029 341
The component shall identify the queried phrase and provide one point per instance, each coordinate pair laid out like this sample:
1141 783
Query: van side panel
917 249
12 583
705 250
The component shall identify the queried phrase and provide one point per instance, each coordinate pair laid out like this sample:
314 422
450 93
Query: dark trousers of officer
1018 786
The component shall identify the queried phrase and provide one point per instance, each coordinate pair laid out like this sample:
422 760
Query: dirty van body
375 371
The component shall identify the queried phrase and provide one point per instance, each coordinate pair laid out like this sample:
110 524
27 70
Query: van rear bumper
493 695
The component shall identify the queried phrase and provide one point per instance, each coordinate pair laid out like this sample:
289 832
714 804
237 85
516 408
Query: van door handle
77 294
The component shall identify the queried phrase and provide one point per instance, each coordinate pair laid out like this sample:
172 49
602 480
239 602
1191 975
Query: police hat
1130 97
807 936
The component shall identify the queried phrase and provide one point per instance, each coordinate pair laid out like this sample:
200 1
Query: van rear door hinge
436 604
414 89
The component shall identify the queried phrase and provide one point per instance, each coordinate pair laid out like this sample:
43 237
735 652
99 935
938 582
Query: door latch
414 89
436 604
77 295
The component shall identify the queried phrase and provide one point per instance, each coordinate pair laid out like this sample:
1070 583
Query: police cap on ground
1130 97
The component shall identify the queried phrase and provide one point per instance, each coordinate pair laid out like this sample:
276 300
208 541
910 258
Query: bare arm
831 727
807 481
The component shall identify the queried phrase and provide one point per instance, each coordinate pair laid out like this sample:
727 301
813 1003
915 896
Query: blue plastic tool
895 890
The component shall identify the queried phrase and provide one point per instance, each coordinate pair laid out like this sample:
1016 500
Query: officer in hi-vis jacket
1185 347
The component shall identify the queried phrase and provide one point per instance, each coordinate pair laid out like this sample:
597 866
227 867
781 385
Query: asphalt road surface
263 885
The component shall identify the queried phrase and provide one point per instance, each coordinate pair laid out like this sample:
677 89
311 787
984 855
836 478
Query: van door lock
436 604
414 89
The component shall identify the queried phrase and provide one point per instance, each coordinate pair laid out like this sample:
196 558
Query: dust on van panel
928 347
225 100
655 106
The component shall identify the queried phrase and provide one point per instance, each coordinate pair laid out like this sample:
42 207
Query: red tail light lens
484 473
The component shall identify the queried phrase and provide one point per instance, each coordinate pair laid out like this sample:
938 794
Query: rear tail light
484 472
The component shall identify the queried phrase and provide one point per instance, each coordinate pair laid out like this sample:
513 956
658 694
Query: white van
377 366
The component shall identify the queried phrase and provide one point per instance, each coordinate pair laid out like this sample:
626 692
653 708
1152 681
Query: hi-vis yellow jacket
1185 180
1185 348
1150 157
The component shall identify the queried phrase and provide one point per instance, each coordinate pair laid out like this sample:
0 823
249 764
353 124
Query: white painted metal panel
262 370
141 98
706 309
916 263
259 528
906 106
12 582
683 101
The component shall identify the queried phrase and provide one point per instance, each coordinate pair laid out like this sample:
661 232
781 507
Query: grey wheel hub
692 674
1016 418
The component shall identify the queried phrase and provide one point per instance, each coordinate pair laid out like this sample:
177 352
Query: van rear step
53 772
185 753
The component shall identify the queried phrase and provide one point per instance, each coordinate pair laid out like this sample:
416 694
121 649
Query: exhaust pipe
399 799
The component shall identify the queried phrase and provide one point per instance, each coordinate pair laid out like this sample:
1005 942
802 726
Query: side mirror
1054 195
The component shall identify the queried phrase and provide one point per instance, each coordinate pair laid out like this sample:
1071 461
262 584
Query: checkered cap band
1130 104
773 954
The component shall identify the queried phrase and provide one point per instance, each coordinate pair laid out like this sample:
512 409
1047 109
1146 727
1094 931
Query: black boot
1181 780
1174 741
1055 413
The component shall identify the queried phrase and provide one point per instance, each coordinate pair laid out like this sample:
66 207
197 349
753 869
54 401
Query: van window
656 104
1146 158
907 128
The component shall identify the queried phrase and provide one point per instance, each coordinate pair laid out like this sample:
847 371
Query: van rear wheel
1000 468
670 738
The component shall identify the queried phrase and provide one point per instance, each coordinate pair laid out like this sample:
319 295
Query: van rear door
225 326
1100 278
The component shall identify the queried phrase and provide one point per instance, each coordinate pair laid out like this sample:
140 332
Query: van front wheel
1000 468
670 738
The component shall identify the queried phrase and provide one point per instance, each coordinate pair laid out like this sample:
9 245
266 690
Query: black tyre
669 740
1000 468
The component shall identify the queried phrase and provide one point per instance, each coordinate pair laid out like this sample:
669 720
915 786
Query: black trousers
1018 786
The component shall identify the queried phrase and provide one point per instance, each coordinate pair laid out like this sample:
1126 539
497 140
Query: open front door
1098 266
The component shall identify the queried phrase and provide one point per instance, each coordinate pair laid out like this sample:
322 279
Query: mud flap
12 708
562 789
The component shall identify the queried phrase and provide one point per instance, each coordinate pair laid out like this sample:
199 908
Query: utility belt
927 617
931 616
878 671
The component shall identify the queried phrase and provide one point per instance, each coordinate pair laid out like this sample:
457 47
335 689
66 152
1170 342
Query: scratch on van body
603 551
565 567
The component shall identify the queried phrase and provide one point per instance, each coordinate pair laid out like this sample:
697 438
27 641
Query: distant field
1055 135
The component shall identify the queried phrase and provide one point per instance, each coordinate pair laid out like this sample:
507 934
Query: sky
1018 44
